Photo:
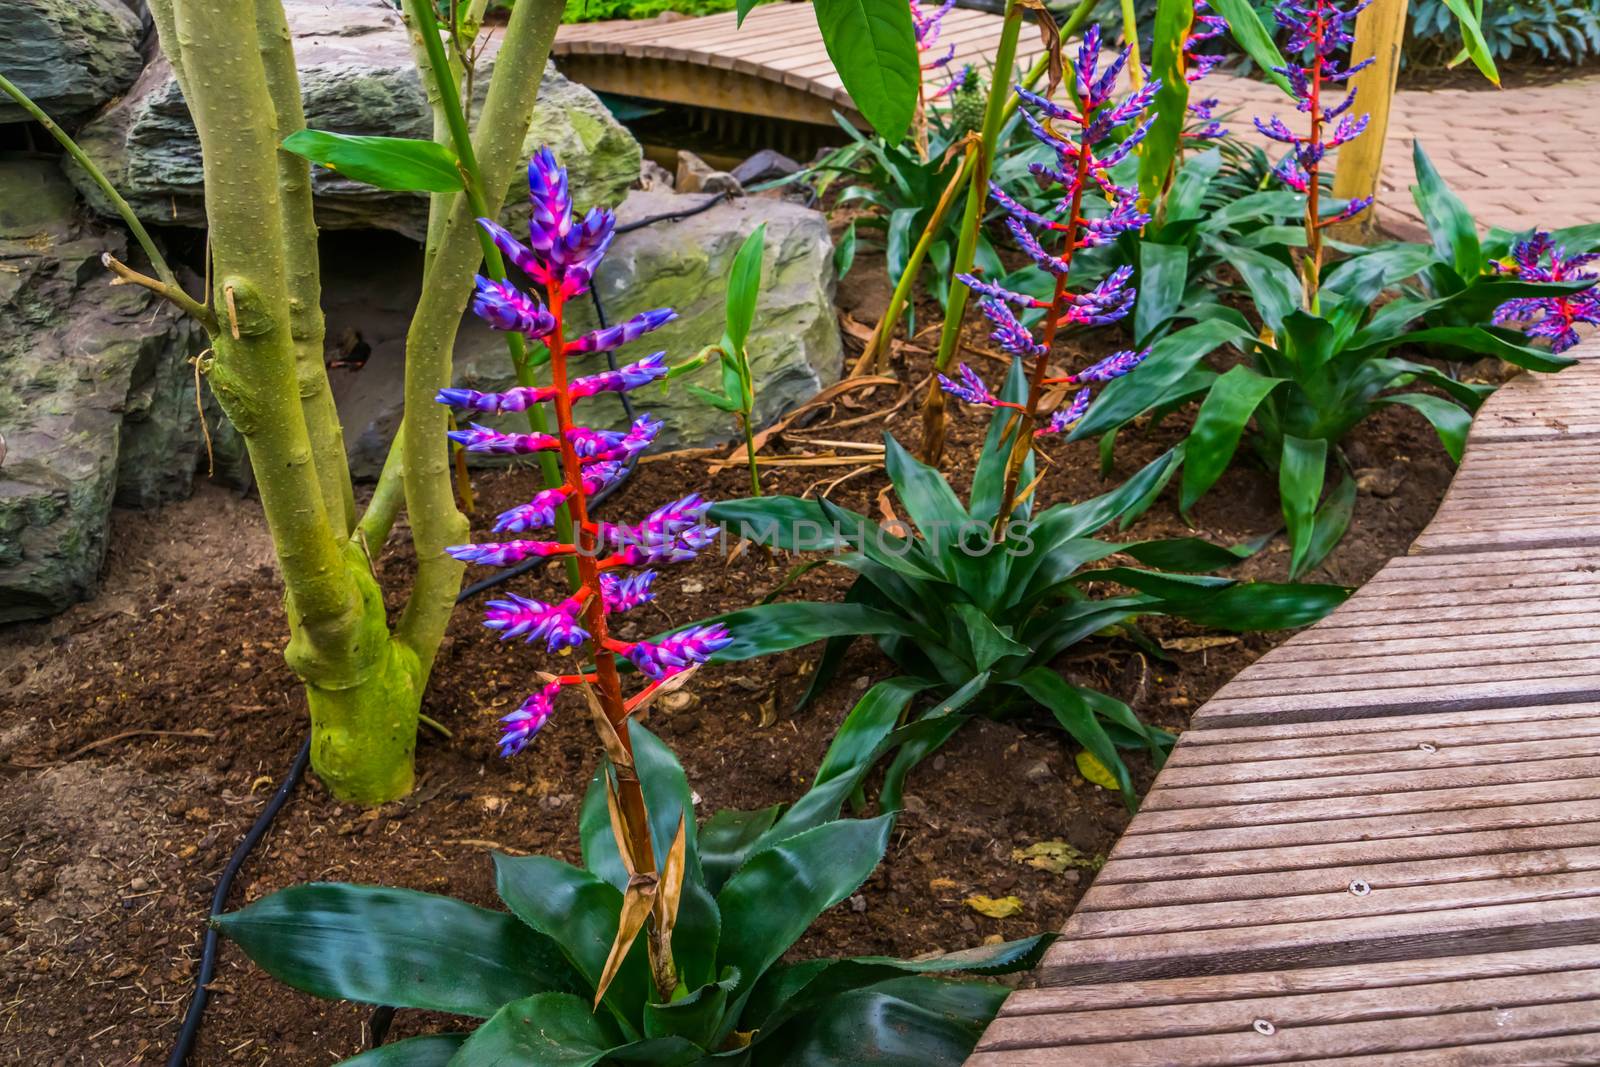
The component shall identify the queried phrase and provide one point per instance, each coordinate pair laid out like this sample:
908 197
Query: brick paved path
1518 157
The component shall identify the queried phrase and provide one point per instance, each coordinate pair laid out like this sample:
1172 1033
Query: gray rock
695 175
356 76
765 165
683 264
96 404
69 56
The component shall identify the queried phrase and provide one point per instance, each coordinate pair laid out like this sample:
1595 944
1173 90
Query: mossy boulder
96 395
357 76
69 56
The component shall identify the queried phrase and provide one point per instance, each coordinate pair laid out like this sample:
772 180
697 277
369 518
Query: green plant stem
304 279
1130 35
420 12
430 342
967 247
750 452
387 497
169 281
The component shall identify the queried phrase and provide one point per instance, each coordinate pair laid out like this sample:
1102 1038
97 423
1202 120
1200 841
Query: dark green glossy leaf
1163 275
1250 606
1450 225
400 163
395 946
934 508
906 1022
1218 427
696 1018
434 1050
726 840
1491 341
1449 421
768 628
578 911
547 1030
988 482
1190 184
1170 360
779 892
1076 716
844 253
1301 470
923 737
1273 284
1333 519
1187 554
873 47
666 794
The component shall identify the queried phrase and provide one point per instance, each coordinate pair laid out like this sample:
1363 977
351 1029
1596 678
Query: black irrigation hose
219 899
382 1016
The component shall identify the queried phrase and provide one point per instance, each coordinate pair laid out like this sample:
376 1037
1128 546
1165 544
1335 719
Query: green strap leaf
873 47
1273 284
1217 429
922 738
666 794
399 947
780 891
400 163
934 508
768 628
1475 46
1333 519
559 1030
1450 225
1076 716
907 1021
1153 381
727 838
1163 276
434 1050
1448 419
1301 469
1162 144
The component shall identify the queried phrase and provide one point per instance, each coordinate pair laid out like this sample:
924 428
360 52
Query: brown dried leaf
637 901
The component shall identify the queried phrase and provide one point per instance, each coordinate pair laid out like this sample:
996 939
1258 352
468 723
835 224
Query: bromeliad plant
976 623
745 885
1077 170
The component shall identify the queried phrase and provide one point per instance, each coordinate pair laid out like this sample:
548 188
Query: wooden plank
1382 784
1353 656
1496 927
1324 809
1401 738
1424 756
1571 1050
1577 803
1394 975
1231 1018
1377 1037
1390 601
1227 735
1246 711
1370 677
1141 901
1513 620
1192 874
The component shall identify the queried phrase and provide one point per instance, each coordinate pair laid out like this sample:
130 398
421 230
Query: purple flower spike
622 379
520 726
677 651
623 332
506 553
533 620
1064 419
622 594
534 515
1551 318
482 439
1113 366
970 389
1008 332
551 216
505 307
517 399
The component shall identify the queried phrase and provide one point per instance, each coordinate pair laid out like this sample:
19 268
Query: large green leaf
906 1022
696 1018
1163 276
1077 716
395 946
400 163
1303 466
1473 43
1449 421
1153 381
579 911
433 1050
559 1030
1218 427
780 891
1273 284
988 482
934 508
744 287
1160 148
1250 606
922 738
1247 29
873 47
1450 225
727 839
768 628
1492 341
1333 519
1186 198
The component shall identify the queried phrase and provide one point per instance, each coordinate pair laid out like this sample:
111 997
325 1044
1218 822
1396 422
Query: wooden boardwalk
1380 843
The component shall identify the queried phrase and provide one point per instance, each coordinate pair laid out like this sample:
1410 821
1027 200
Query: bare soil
141 733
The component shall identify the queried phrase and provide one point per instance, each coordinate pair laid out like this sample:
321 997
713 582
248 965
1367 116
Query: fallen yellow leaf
994 908
1056 856
938 884
1095 771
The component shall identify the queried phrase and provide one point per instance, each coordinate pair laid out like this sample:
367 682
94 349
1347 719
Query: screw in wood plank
1428 746
1360 888
1264 1027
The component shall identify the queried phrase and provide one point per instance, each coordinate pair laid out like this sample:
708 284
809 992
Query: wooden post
1380 30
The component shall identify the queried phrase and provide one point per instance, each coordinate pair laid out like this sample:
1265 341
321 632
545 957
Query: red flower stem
1313 262
608 685
1023 445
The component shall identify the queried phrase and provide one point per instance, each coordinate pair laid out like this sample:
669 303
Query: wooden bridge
774 66
1380 843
